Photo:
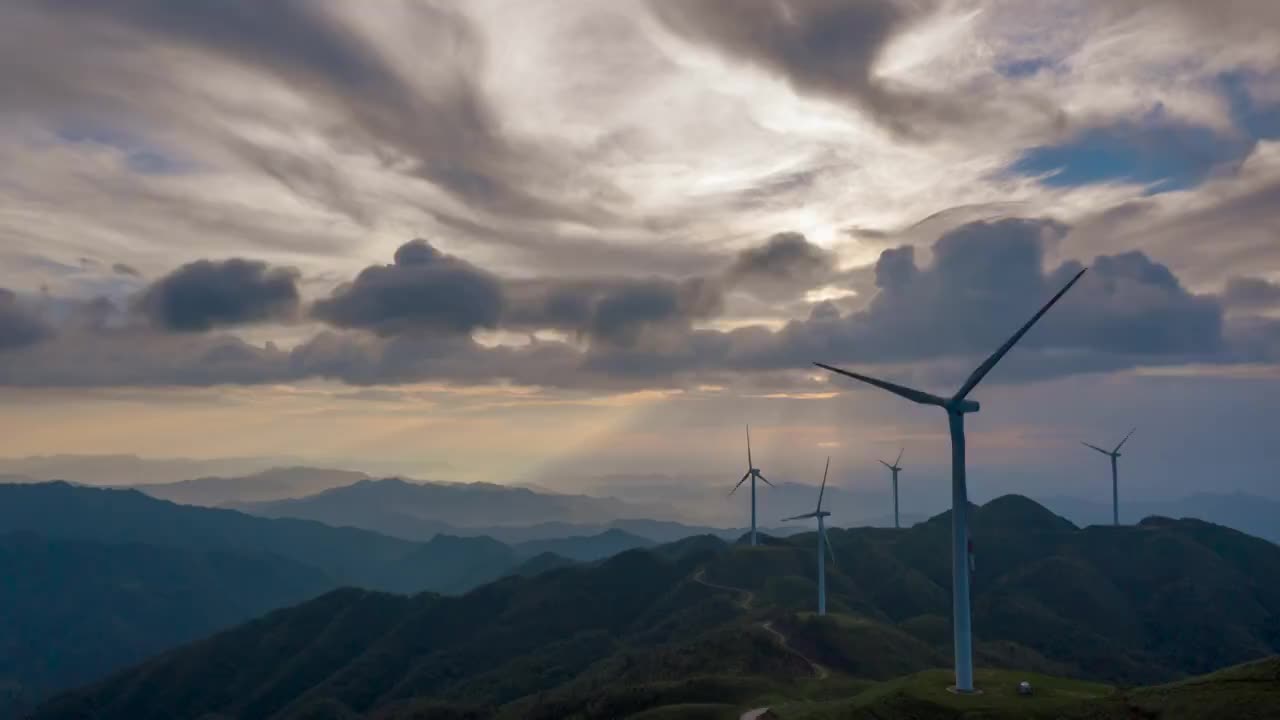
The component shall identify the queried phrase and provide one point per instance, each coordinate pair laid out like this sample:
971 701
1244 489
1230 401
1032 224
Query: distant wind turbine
753 472
957 406
822 542
1115 493
895 469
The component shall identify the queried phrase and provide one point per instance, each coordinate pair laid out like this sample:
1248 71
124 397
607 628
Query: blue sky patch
1024 68
1164 155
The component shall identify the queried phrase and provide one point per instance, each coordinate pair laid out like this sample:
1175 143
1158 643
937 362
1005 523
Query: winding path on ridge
745 600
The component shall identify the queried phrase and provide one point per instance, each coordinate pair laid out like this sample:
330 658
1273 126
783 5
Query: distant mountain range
419 511
273 484
1250 514
700 628
677 506
104 577
126 469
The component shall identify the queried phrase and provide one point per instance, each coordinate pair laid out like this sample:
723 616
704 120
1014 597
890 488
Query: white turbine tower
957 406
822 542
1115 493
895 468
753 472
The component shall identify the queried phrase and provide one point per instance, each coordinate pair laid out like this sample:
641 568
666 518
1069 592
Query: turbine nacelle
963 406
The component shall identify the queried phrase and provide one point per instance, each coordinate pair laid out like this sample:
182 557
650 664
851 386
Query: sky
545 241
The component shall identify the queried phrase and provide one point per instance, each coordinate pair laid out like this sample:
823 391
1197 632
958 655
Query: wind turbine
822 542
957 406
895 469
1115 493
753 472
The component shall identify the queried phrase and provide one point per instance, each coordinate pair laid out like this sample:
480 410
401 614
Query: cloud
985 280
1251 293
358 80
825 47
19 326
412 321
423 290
832 49
206 294
785 264
612 310
126 270
143 357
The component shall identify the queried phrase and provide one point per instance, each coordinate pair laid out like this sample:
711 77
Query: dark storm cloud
1251 292
423 290
19 325
206 294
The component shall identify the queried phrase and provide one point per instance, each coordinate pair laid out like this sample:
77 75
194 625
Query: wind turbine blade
749 463
1125 440
824 483
1095 447
895 462
800 517
735 487
990 362
827 542
886 464
766 480
911 394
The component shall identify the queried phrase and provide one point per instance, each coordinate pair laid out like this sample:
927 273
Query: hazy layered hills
265 486
100 578
1247 513
658 507
125 469
419 511
345 555
700 626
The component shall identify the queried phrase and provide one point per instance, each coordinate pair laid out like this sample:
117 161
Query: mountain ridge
664 626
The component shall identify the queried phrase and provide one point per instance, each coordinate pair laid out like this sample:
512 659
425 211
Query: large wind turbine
957 406
1115 493
822 542
895 469
753 472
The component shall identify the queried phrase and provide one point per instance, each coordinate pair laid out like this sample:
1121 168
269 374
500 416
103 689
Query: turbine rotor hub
963 406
